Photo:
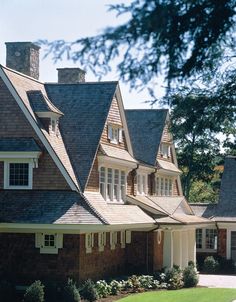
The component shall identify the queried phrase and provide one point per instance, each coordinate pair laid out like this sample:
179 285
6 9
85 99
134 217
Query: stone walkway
219 281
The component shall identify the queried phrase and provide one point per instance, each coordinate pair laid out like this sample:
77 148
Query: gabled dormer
47 113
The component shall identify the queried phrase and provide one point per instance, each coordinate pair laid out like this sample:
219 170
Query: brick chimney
23 57
71 75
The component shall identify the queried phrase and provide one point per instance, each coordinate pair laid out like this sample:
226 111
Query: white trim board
37 130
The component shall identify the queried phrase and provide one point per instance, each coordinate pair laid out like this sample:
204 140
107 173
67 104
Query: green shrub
190 276
70 292
134 283
103 289
88 291
148 282
174 278
35 292
115 287
7 291
210 265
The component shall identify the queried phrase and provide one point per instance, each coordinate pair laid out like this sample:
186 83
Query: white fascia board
70 228
164 172
6 155
108 161
145 169
180 227
227 225
48 114
122 114
38 131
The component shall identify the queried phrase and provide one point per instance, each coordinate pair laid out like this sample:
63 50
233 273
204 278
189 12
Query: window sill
115 202
206 250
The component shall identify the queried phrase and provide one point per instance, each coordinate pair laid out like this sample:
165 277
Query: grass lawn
185 295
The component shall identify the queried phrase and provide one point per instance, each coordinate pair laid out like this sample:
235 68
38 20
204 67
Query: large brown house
87 189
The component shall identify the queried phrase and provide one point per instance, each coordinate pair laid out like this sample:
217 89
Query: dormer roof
145 128
40 103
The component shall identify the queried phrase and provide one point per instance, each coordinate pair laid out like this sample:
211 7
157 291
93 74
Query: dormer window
115 134
54 126
164 186
165 150
112 183
142 184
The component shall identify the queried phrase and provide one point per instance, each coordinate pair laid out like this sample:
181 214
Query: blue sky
31 20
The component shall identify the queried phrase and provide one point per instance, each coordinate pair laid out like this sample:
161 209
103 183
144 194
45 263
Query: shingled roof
226 209
85 107
45 207
145 129
21 144
41 103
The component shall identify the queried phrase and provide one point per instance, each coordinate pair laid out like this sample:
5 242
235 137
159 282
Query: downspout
218 241
135 176
147 249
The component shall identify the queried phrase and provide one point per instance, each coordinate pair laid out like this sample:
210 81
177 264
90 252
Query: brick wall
21 261
13 123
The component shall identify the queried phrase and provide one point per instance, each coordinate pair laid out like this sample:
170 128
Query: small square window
49 240
115 134
18 174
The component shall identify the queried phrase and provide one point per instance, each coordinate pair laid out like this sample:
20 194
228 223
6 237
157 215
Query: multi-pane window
115 134
206 239
116 184
109 184
49 240
142 184
165 150
112 184
18 174
164 186
102 181
211 239
198 238
122 184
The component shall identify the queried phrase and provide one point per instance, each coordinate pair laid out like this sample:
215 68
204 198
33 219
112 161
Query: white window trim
165 178
164 154
122 239
113 240
89 242
40 243
111 129
143 185
204 249
101 241
128 237
7 163
121 199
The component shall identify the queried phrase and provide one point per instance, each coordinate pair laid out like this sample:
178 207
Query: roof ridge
81 83
21 74
147 109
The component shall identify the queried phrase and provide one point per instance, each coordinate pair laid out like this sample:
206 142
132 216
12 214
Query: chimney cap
72 69
25 44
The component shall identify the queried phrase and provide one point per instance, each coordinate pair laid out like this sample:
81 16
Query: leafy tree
198 115
177 38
